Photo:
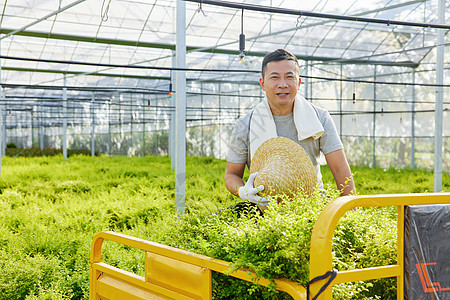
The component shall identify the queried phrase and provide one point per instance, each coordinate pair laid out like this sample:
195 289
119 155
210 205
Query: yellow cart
172 273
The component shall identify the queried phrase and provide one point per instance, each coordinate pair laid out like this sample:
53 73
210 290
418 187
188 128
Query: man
284 113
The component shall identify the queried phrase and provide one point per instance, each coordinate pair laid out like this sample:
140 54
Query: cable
317 15
104 13
332 274
200 70
125 66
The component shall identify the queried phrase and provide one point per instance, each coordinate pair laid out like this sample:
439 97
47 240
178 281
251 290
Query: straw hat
283 166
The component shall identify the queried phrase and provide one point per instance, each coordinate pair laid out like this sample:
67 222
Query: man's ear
299 81
261 83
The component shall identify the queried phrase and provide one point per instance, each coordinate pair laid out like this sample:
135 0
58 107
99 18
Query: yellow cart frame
172 273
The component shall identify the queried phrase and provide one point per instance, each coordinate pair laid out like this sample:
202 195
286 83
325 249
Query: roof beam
311 25
146 77
51 71
87 39
41 19
331 21
294 12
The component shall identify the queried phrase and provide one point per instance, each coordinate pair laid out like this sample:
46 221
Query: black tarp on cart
427 252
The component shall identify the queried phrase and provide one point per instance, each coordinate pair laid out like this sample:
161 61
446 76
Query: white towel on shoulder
262 125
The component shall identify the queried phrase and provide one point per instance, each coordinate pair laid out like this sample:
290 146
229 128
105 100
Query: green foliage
51 208
391 181
11 145
32 152
274 245
365 238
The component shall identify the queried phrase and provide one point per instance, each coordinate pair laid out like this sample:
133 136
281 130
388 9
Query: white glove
249 193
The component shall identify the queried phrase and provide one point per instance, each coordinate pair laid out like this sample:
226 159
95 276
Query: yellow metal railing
172 273
321 240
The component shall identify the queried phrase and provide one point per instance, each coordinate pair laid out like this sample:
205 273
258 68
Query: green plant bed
32 152
277 245
51 208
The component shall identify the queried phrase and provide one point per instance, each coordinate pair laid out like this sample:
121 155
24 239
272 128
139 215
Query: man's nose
282 83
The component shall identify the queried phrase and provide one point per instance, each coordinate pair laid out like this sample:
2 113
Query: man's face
281 82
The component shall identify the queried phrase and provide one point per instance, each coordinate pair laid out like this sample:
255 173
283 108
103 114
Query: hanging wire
297 24
424 18
242 21
200 8
105 10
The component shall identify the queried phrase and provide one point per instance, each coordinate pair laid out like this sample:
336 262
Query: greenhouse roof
110 42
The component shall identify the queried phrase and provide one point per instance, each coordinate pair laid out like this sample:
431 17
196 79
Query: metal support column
310 83
65 119
340 104
306 80
109 125
157 127
2 116
41 129
32 126
131 125
1 112
93 126
413 121
374 157
172 102
220 121
202 121
439 100
4 126
143 127
1 126
180 110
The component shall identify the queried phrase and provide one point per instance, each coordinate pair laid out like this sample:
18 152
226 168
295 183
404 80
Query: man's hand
249 193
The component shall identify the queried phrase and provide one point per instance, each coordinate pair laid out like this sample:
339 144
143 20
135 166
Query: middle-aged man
284 113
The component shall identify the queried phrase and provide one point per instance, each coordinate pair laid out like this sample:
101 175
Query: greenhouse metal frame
108 76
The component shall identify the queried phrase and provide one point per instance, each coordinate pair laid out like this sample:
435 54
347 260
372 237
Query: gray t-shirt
238 148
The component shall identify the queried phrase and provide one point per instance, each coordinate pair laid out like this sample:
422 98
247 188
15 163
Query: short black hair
277 55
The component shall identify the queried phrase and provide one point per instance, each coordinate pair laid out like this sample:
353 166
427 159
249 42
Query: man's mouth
282 94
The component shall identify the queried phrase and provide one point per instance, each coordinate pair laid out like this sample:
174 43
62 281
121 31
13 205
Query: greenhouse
104 73
170 78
